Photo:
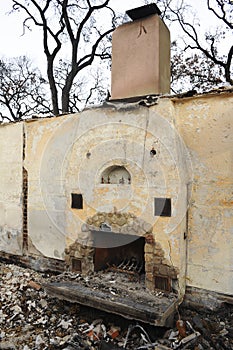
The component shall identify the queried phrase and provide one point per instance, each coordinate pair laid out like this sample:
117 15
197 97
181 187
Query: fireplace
117 266
117 252
123 243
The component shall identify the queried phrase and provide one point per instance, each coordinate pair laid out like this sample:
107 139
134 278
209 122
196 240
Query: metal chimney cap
143 11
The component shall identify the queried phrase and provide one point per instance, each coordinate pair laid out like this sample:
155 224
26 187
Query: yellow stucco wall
192 166
11 162
46 219
205 124
58 165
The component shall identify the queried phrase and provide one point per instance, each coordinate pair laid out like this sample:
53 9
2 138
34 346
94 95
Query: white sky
13 44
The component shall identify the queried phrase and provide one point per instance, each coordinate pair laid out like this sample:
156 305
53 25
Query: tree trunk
228 67
53 88
65 100
66 91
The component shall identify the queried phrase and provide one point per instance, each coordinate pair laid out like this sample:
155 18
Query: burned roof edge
133 103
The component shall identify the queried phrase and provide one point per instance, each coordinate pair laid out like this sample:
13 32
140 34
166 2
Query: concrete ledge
150 309
199 298
37 263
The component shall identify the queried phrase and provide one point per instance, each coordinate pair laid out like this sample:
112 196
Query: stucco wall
11 161
205 124
68 155
46 202
192 166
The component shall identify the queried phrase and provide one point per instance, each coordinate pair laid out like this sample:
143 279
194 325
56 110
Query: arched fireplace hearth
121 242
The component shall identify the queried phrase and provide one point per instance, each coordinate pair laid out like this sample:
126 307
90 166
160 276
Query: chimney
141 55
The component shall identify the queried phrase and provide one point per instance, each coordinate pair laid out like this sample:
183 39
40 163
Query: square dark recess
76 201
162 283
76 265
162 207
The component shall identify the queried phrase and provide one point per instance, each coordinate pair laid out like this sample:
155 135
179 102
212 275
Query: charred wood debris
30 319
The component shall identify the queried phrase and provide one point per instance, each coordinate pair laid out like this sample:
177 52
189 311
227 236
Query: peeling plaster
193 166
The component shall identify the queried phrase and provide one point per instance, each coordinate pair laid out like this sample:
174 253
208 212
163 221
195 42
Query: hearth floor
117 293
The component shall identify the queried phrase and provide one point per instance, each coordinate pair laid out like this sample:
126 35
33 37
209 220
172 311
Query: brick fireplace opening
116 265
123 243
126 254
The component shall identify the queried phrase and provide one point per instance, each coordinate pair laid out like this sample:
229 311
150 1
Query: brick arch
81 252
118 222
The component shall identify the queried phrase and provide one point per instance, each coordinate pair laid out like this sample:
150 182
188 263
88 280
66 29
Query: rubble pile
116 283
30 319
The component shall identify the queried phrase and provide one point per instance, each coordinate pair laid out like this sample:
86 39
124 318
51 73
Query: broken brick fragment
34 285
114 332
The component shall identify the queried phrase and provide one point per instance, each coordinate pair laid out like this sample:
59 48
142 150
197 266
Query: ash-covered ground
31 319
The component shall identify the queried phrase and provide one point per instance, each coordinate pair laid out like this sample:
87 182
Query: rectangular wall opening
162 207
76 201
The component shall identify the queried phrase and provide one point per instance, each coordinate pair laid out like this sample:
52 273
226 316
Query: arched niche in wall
116 174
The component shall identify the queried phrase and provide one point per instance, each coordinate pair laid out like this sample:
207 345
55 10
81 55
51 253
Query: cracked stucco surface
11 161
192 166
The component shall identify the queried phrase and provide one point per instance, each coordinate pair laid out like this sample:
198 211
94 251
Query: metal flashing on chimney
143 11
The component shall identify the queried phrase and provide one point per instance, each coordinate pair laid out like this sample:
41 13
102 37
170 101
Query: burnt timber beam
160 314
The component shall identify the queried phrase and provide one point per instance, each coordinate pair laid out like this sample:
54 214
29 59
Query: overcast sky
13 44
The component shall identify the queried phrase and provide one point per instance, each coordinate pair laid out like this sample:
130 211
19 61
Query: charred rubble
32 319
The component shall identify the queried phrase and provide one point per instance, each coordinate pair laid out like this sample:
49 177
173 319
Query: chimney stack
141 55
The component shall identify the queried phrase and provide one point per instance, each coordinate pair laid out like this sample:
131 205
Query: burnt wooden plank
155 311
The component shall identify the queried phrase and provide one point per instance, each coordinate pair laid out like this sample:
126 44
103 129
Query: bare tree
68 24
193 72
75 37
22 90
84 92
207 47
